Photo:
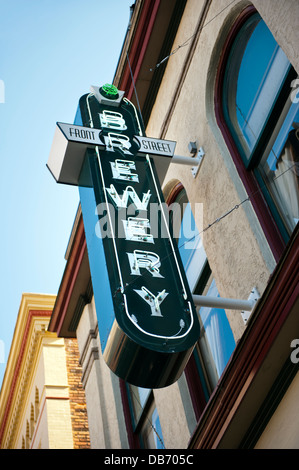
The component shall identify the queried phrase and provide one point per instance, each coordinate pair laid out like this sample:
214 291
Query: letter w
129 193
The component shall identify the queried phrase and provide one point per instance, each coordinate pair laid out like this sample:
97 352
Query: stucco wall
176 414
105 416
104 406
236 248
282 431
283 20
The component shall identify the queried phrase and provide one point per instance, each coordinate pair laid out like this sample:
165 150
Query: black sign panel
147 322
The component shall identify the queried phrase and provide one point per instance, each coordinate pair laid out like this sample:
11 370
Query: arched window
260 111
216 342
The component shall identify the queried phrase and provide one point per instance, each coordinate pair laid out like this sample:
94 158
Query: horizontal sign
151 146
86 135
66 157
92 136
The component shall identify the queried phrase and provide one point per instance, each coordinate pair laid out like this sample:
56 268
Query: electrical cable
249 197
219 219
191 37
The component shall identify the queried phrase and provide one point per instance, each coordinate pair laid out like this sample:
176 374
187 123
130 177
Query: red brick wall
77 396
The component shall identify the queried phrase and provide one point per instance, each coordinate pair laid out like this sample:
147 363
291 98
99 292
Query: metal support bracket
246 306
195 162
253 297
199 157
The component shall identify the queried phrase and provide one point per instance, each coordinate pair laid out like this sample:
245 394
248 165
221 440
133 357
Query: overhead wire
223 216
186 42
228 212
249 197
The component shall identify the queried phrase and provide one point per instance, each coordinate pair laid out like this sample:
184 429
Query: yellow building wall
39 410
51 426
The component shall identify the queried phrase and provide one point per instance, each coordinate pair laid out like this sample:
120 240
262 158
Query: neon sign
147 322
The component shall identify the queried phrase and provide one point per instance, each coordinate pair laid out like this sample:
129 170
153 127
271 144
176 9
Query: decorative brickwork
77 396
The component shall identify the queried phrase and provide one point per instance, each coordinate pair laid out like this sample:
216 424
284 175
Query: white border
177 336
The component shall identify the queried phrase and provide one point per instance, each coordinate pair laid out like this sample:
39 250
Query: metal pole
192 161
218 302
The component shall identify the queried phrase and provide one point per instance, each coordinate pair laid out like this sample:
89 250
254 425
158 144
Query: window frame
137 421
201 382
136 426
282 223
253 159
282 95
270 227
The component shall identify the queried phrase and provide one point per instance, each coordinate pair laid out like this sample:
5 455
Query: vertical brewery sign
147 322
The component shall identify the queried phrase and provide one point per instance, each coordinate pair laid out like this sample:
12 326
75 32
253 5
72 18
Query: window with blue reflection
262 114
216 342
219 336
279 168
256 70
146 422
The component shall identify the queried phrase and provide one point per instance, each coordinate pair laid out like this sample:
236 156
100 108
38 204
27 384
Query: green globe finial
109 91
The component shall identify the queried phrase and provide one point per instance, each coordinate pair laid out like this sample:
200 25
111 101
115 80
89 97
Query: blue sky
51 51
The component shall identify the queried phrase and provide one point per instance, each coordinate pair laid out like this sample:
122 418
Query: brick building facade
42 401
